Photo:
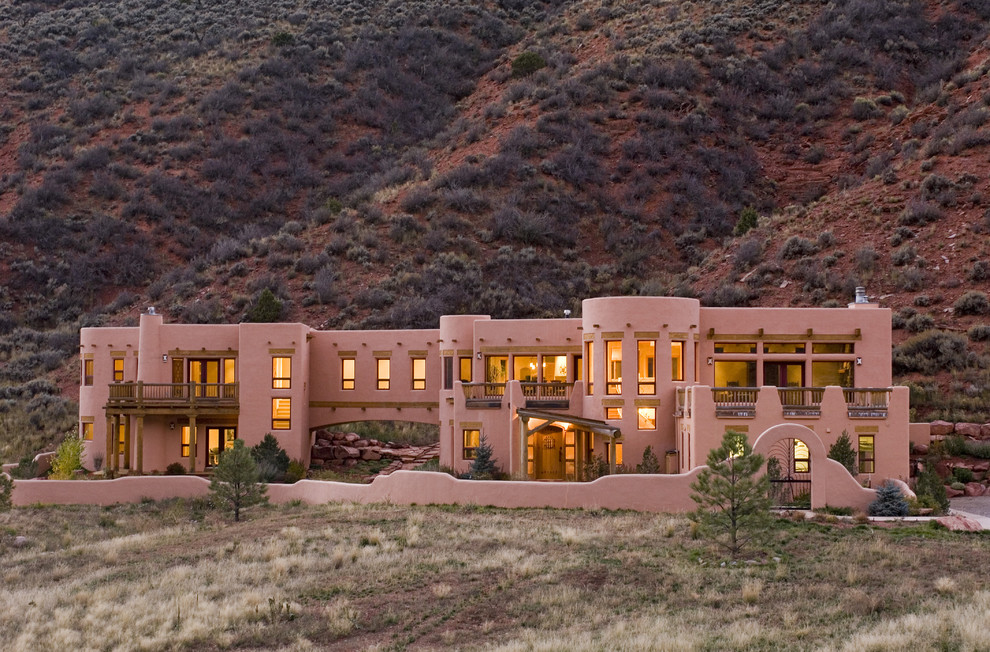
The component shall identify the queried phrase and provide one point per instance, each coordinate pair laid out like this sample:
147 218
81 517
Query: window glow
281 413
613 367
347 373
647 418
802 459
384 366
677 360
118 370
281 373
472 439
86 431
88 372
867 455
419 373
646 364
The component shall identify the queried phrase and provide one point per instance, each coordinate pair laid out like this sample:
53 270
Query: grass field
177 575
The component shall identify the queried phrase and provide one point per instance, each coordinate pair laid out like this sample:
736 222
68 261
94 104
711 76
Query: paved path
976 508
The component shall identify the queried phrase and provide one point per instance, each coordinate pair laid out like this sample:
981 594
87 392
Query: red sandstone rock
981 467
368 454
322 452
351 437
361 443
985 431
971 430
959 523
941 428
975 489
921 449
953 493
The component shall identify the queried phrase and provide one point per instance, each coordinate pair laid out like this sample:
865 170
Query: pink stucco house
549 395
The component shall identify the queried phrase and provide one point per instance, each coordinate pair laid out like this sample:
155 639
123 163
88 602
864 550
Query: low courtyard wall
648 493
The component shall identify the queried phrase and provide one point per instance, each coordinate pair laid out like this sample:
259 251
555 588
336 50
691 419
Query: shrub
929 488
842 452
864 108
175 468
903 256
6 492
527 63
931 352
68 458
26 468
980 271
979 333
919 213
954 445
236 484
749 253
295 472
267 308
889 502
797 247
483 467
748 219
920 323
271 458
962 474
650 463
972 303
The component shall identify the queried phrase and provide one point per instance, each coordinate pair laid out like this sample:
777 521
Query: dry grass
174 575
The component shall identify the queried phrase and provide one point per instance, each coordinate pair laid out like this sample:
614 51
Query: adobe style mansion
549 395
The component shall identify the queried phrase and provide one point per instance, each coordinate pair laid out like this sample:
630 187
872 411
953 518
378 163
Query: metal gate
789 472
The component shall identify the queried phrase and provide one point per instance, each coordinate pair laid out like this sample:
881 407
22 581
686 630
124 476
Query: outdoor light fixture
479 355
711 361
164 357
859 362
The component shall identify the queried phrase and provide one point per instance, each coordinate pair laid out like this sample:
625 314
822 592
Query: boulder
981 467
322 452
361 443
959 523
368 454
953 493
921 449
941 428
971 430
985 431
349 452
975 489
351 437
339 436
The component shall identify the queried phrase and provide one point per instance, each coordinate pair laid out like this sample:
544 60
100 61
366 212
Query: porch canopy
545 418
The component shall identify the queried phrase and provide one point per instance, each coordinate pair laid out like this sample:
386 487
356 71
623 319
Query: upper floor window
418 373
646 418
281 413
613 367
384 366
118 370
677 360
465 369
281 373
589 355
496 369
832 347
646 362
735 347
613 413
554 368
347 373
524 368
88 372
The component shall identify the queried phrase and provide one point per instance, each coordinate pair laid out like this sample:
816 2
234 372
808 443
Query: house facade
553 397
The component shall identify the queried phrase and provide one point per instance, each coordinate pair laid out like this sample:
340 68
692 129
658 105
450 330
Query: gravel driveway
973 504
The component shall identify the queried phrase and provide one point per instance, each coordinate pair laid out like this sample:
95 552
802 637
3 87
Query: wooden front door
549 454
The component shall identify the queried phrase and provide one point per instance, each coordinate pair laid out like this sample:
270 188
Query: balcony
867 403
795 402
545 395
735 401
161 397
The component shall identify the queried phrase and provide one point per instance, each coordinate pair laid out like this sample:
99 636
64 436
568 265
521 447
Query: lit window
118 370
647 418
281 373
384 366
735 373
867 459
802 459
837 373
733 347
613 367
419 373
121 437
472 439
465 369
618 452
228 370
832 347
496 369
590 357
647 366
347 373
185 441
677 360
524 368
86 431
88 372
554 369
613 413
779 347
281 413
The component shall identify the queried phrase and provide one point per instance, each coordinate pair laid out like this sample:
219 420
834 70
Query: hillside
382 163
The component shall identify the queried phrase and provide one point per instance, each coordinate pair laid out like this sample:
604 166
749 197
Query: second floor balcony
794 402
144 396
546 395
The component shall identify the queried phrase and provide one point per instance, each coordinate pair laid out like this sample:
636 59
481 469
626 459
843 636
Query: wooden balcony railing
801 401
861 402
735 401
483 394
547 394
180 395
867 402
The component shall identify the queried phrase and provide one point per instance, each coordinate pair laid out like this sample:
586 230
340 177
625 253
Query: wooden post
115 436
612 456
126 421
140 444
524 448
192 443
107 460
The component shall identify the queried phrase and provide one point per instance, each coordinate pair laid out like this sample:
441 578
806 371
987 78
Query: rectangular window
613 413
88 372
554 369
646 364
735 373
802 458
86 431
832 347
618 452
418 373
384 367
613 367
867 460
496 369
589 355
185 441
783 374
228 370
647 418
578 368
448 372
465 369
524 368
281 413
783 347
838 373
347 373
118 370
218 440
677 360
472 439
281 373
121 436
735 347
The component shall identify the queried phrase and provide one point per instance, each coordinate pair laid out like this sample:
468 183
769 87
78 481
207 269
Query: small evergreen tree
930 490
842 452
889 502
650 463
272 459
483 467
527 63
236 484
6 492
748 219
68 458
732 496
267 309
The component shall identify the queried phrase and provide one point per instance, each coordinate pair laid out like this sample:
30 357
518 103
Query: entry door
218 440
550 454
783 374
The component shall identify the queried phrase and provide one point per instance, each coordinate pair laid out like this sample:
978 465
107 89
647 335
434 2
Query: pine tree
267 309
732 496
650 463
889 502
483 467
236 484
272 459
842 452
930 490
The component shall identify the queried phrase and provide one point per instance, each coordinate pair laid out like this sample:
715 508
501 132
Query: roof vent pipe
151 309
861 295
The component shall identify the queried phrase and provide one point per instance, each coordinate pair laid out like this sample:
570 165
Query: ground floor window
618 452
867 459
186 440
86 431
281 413
472 439
802 458
218 440
735 373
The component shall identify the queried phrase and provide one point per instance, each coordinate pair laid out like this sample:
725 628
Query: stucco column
140 444
192 443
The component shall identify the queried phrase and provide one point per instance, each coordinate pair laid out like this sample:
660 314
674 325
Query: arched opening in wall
789 471
359 451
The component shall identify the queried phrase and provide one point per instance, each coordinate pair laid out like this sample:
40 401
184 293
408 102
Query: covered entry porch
555 446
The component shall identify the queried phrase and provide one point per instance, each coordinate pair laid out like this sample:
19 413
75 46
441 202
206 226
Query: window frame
613 413
641 419
646 384
802 464
348 381
86 430
866 463
613 381
279 422
470 452
87 372
677 372
185 441
118 370
383 373
281 376
462 367
418 364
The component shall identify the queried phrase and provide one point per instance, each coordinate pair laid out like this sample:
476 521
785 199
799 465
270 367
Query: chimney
861 295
